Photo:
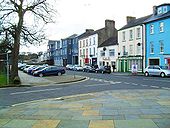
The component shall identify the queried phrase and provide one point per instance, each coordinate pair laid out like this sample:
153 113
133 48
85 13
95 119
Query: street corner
66 79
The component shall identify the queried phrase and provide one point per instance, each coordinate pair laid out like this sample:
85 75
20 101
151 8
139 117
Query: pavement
108 109
29 80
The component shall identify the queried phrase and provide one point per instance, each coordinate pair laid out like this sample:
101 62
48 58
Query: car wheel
40 75
59 74
162 74
96 71
146 74
102 72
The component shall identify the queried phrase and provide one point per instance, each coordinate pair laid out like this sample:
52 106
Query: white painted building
131 44
108 52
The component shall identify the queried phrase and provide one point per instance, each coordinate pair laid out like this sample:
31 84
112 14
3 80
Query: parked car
37 68
27 67
155 70
103 69
69 67
78 68
51 70
89 69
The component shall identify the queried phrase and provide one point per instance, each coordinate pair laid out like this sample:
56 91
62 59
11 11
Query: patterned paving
109 109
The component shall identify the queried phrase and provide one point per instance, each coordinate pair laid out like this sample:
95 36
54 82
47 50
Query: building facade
158 36
131 39
108 52
90 40
69 50
51 47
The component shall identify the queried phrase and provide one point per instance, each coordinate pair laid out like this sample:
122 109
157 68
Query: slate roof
135 22
157 17
86 34
109 42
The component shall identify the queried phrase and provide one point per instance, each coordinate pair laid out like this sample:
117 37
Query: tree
23 21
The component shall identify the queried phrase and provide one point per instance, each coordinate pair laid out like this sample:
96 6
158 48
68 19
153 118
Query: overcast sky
74 16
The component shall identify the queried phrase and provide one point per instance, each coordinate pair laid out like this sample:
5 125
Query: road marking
134 84
158 80
96 85
165 88
126 83
144 85
154 86
17 93
105 81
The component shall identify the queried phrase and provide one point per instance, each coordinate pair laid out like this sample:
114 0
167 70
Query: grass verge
3 80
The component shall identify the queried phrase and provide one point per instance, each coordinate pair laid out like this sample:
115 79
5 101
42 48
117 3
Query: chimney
154 10
130 18
89 30
109 24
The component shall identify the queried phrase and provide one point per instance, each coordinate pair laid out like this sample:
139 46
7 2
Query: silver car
155 70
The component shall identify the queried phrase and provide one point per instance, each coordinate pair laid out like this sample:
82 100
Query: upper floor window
130 35
83 43
94 40
112 52
165 9
130 49
123 36
102 53
151 29
161 46
151 47
80 44
86 42
159 11
138 33
90 41
94 51
161 27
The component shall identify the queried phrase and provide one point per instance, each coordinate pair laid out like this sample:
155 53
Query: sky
74 16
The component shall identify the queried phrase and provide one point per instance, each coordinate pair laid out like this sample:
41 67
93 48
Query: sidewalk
28 80
109 109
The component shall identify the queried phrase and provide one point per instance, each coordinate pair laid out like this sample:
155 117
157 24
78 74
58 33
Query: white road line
126 83
95 85
144 85
158 80
134 84
165 88
17 93
105 81
154 86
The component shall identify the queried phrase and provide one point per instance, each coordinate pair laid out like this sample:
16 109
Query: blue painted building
70 50
158 36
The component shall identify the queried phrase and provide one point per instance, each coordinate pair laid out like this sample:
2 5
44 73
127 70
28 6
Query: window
123 36
80 52
130 35
94 41
112 52
90 41
80 44
102 53
94 51
161 26
86 42
90 51
83 52
159 10
161 46
131 49
151 29
83 43
138 50
165 9
151 47
138 33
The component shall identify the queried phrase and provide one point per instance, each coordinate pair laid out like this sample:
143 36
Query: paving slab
108 109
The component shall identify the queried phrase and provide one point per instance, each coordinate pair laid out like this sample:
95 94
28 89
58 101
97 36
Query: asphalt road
95 83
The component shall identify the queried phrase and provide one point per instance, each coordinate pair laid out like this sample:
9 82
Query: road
95 83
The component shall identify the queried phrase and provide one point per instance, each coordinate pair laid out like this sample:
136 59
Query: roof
109 42
72 36
135 22
157 17
86 34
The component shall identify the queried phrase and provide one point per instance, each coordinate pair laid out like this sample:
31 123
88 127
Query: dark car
52 70
37 68
103 69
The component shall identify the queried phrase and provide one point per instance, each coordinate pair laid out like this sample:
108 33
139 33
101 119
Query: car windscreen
164 67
